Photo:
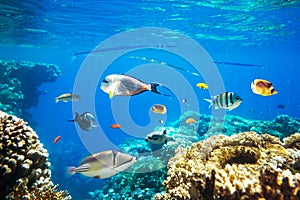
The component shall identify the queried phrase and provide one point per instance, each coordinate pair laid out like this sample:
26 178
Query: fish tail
154 89
56 100
71 170
210 102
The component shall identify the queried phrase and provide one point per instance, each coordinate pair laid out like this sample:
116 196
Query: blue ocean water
243 32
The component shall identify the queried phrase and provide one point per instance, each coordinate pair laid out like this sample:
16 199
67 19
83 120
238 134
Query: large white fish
124 85
85 121
104 164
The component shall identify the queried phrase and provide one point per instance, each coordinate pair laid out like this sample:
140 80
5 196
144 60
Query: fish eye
105 81
272 90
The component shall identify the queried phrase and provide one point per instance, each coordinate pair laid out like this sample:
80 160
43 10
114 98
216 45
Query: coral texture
19 83
244 166
24 166
206 125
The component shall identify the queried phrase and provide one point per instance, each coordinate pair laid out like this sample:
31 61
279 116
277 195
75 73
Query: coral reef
19 83
206 125
244 166
24 166
145 177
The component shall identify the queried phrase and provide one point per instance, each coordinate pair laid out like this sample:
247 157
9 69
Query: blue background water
50 31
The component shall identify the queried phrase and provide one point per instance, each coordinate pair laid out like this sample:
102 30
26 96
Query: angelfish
104 164
125 85
85 121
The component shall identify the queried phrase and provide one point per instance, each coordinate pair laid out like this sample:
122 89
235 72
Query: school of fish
109 163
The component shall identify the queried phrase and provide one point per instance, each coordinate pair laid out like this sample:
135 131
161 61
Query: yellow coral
24 171
235 167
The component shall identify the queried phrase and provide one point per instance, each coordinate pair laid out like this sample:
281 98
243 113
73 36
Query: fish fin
166 141
111 94
146 140
71 170
252 85
165 132
209 101
56 100
154 89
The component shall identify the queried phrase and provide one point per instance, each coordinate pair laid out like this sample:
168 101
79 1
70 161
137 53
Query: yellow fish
263 87
159 108
202 86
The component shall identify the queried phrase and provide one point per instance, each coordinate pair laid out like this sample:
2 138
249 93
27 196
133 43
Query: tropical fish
190 120
159 108
226 100
202 85
263 87
56 139
124 85
85 121
67 97
115 126
164 63
104 164
158 137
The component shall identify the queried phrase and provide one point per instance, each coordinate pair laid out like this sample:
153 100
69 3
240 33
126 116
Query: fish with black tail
125 85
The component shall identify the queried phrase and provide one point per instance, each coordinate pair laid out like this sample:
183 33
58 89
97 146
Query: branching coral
236 167
24 168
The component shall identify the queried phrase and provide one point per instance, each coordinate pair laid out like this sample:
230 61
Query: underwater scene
150 99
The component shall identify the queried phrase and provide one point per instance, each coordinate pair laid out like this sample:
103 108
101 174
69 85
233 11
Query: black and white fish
158 137
226 100
85 121
125 85
104 164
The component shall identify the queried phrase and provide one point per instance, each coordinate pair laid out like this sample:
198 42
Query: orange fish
56 139
115 126
190 120
263 87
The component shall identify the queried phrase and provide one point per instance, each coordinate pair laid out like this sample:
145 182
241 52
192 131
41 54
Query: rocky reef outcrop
19 81
242 166
24 166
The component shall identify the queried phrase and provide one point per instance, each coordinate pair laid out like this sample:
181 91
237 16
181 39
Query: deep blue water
51 31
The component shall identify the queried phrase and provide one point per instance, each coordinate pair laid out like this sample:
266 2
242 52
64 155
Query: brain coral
24 169
244 166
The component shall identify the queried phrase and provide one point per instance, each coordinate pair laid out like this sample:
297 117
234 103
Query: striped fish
226 100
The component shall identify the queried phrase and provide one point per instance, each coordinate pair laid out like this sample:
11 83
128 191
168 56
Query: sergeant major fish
124 85
85 121
226 100
104 164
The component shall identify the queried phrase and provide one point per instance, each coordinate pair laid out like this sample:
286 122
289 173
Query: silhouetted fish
125 47
238 64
